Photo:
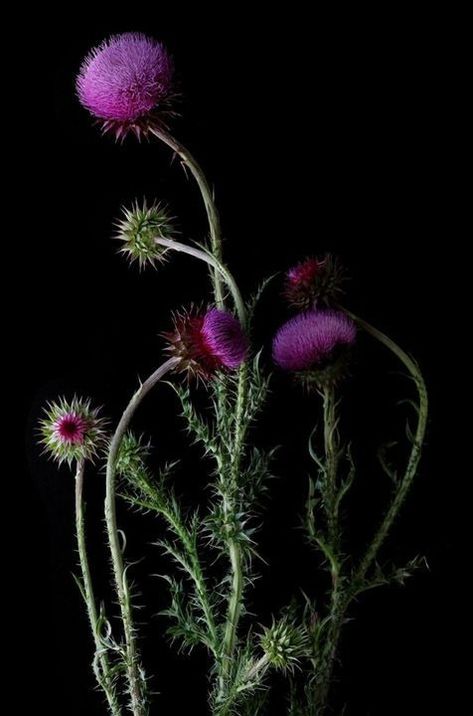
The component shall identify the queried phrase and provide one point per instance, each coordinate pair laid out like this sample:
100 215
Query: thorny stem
208 199
102 672
134 672
195 572
415 453
326 656
234 549
331 465
341 597
217 265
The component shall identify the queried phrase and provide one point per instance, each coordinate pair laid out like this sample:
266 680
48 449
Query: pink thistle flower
123 80
72 431
71 428
207 342
314 344
313 281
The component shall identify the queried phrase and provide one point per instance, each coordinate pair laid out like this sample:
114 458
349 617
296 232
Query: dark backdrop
320 135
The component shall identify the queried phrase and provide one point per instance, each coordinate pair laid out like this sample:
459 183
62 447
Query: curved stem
215 263
134 671
207 196
103 672
415 453
342 596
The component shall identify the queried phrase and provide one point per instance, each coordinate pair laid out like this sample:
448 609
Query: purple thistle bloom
207 342
122 80
223 334
310 339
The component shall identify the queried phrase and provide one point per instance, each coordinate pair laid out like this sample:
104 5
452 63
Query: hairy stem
415 454
209 203
331 450
234 548
102 673
217 265
134 672
331 548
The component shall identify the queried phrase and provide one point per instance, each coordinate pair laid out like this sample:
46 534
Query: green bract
140 228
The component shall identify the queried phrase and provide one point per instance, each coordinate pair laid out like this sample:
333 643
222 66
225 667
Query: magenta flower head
313 282
314 345
72 431
123 81
207 342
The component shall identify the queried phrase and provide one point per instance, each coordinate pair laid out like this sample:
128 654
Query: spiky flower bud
284 644
72 431
132 454
314 282
207 342
124 81
315 346
138 230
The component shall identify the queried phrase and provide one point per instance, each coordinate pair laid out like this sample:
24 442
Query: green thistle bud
131 455
140 228
284 643
72 431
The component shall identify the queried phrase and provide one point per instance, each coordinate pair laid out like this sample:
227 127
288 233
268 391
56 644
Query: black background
330 134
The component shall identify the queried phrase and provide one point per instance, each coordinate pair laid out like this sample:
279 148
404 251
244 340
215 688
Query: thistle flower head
123 80
314 344
313 282
207 342
72 430
138 230
284 644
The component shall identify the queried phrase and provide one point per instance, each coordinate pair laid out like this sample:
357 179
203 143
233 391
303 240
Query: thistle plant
127 85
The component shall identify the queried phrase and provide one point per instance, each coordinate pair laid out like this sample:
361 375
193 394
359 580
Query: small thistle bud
125 83
313 282
138 230
315 346
284 644
207 342
132 455
72 431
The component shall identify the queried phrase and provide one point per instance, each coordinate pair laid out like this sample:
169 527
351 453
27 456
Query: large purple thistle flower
223 334
207 342
122 80
309 340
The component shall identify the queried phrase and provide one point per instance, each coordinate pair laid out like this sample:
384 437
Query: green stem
326 657
134 672
209 203
234 549
217 265
196 574
103 672
331 466
415 454
341 597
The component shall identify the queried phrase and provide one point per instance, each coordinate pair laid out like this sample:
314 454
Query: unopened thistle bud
284 644
315 346
72 431
314 282
207 342
138 230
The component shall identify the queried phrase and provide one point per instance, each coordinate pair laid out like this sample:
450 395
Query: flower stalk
207 196
137 685
102 665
